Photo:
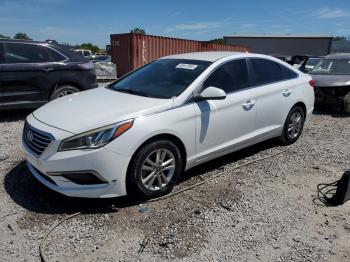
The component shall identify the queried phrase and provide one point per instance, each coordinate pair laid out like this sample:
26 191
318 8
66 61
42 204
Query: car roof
339 56
204 56
9 40
73 57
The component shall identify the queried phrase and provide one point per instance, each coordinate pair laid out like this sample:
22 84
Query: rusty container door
121 53
147 48
130 51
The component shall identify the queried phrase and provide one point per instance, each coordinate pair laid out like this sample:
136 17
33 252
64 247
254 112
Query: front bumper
47 167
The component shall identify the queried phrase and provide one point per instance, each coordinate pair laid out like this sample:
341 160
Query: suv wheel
155 169
63 91
347 103
293 126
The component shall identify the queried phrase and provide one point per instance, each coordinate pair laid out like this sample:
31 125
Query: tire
141 183
347 103
293 126
63 91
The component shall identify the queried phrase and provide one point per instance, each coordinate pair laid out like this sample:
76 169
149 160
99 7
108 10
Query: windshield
332 67
163 78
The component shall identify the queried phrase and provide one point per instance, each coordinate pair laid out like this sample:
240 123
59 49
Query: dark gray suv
33 73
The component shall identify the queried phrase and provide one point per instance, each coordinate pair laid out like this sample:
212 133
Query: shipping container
130 51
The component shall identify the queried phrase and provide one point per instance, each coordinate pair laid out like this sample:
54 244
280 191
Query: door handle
249 104
286 93
47 70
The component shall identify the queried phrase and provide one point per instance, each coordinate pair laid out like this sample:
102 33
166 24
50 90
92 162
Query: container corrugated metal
130 51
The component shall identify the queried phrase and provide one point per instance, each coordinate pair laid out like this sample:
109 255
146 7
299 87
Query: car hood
96 108
331 80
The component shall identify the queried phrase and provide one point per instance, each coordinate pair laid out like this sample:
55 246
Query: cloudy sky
93 21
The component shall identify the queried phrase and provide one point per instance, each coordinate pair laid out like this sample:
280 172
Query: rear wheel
63 91
347 103
293 126
155 169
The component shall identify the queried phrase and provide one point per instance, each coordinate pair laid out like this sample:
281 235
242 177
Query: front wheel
155 169
293 126
63 91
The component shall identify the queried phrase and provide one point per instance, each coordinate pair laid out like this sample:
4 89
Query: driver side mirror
211 93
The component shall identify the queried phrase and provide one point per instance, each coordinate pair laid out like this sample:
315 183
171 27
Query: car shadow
26 191
14 115
31 195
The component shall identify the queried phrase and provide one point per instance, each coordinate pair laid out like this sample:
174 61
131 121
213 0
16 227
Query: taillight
312 83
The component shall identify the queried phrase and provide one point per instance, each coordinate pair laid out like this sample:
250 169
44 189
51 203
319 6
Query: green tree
22 36
339 38
217 41
88 46
4 36
137 30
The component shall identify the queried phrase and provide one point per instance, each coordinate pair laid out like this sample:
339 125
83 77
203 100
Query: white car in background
140 133
84 52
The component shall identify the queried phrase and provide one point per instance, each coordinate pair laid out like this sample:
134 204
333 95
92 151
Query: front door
223 125
25 75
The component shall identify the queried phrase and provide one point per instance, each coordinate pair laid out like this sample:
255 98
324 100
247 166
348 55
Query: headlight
96 138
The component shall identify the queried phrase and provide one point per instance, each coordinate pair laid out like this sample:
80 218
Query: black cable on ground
41 246
4 158
44 258
42 242
325 192
215 176
7 215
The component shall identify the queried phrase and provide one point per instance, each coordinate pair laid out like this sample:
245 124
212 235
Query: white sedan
140 133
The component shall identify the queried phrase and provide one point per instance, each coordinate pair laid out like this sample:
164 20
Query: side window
287 73
86 53
26 53
55 56
2 54
230 77
265 71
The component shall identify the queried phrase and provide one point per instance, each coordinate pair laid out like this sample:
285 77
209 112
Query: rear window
72 55
55 56
266 71
86 53
30 53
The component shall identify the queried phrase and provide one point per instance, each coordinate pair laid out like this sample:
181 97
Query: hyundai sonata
140 133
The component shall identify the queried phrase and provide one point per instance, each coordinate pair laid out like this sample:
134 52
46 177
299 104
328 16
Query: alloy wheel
295 124
158 169
65 93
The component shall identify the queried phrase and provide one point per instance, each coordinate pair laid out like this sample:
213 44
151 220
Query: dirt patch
262 212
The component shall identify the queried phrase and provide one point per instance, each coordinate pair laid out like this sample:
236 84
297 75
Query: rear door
26 74
275 91
225 125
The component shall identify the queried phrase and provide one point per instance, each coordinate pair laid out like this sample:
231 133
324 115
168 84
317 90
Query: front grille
36 140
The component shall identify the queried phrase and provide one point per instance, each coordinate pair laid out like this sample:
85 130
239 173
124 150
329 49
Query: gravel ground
262 212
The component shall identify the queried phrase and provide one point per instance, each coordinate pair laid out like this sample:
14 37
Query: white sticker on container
186 66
